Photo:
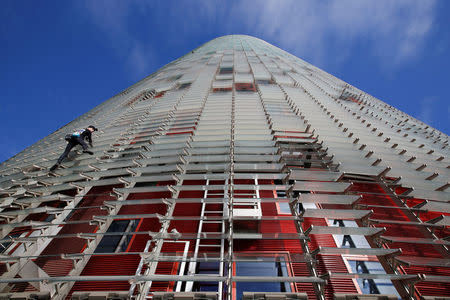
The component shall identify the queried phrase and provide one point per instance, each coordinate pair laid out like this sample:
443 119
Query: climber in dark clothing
76 138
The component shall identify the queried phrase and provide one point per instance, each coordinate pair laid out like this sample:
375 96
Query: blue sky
59 59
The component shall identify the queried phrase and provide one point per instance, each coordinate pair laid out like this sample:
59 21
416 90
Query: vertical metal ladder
206 227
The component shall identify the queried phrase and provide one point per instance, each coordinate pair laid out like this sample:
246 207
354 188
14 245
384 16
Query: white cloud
138 59
434 111
426 110
113 19
392 31
322 32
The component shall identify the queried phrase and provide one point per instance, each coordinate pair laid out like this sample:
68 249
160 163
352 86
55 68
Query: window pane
372 286
265 268
109 243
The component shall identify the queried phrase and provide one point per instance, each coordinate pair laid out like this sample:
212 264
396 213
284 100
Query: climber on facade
76 138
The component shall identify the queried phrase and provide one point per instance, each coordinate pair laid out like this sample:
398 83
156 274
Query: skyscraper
235 172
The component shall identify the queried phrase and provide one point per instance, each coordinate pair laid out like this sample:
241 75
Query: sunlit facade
238 171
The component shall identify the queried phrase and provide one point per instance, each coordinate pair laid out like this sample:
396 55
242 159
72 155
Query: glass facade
238 171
